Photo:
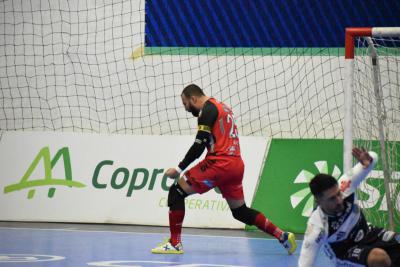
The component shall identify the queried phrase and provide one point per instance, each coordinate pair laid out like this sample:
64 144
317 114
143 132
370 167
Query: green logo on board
304 195
48 179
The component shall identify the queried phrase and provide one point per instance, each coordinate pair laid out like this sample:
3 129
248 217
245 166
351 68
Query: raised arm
366 162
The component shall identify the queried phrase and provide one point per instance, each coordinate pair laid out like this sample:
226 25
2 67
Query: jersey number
233 130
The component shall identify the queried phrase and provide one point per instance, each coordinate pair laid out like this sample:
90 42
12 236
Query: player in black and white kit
339 226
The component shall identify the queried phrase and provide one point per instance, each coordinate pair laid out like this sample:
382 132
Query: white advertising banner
92 178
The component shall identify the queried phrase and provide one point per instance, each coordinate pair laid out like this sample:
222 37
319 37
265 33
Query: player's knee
378 257
176 197
245 214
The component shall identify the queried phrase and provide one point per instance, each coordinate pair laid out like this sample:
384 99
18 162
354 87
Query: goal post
372 103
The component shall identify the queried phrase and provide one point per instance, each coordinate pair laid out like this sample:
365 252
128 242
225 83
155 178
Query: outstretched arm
363 156
366 162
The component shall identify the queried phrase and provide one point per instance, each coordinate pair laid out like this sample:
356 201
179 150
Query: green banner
283 194
371 194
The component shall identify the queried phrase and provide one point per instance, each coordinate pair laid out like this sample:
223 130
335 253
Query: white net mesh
83 66
376 123
67 66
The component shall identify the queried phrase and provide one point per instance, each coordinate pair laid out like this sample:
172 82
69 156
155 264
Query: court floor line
81 247
133 232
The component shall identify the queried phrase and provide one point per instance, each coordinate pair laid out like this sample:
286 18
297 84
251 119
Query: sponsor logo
304 195
371 192
208 183
388 235
131 180
48 179
123 178
56 171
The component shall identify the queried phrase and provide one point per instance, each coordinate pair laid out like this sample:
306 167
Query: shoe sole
292 240
166 252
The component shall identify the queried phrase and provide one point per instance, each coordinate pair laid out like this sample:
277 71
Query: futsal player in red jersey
222 167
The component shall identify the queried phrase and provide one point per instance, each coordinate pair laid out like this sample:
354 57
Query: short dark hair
192 90
320 183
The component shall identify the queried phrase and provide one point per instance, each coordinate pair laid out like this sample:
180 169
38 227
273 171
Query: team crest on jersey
359 236
397 237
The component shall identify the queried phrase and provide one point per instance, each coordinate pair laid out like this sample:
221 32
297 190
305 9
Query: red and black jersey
224 139
217 131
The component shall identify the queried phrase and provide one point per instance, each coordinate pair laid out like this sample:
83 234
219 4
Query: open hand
362 156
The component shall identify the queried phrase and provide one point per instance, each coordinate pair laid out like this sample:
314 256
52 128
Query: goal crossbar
350 37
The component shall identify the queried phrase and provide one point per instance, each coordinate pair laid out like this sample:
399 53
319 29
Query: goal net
84 66
375 117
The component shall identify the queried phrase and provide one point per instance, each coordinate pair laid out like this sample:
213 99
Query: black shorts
376 238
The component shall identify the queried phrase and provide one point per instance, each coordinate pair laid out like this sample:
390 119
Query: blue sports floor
23 246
